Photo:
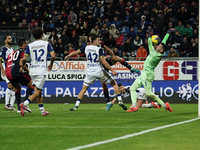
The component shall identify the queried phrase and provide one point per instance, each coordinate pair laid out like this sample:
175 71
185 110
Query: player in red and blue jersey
4 52
16 75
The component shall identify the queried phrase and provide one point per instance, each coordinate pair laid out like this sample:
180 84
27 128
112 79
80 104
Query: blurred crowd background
122 25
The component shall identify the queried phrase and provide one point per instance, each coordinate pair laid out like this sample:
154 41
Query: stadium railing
16 34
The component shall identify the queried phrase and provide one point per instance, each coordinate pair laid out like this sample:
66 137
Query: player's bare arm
72 54
23 66
1 67
53 55
108 50
104 62
24 62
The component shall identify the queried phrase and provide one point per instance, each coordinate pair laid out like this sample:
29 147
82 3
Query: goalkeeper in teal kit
147 75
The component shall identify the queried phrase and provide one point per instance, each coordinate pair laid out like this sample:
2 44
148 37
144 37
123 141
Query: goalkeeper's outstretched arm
150 45
167 35
165 38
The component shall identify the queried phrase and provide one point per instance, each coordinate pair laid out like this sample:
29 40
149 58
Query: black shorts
108 59
22 78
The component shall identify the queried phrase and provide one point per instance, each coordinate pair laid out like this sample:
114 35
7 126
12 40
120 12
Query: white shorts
141 95
4 77
101 74
38 81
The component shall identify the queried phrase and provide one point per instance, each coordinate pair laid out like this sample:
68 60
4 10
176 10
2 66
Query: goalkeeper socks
12 98
29 91
26 102
133 95
8 95
147 105
106 95
18 98
124 63
78 101
163 105
119 98
41 106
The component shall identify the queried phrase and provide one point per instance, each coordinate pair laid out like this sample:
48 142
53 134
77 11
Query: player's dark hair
21 42
120 84
91 35
5 37
164 47
37 33
94 38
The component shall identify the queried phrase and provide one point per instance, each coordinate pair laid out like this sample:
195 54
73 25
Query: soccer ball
155 39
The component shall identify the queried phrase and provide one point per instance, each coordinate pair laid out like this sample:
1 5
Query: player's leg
41 105
25 79
29 92
38 81
8 93
114 100
8 96
18 95
35 95
106 77
139 103
80 97
106 95
14 82
115 59
133 89
146 104
87 82
105 91
28 82
147 87
113 83
12 99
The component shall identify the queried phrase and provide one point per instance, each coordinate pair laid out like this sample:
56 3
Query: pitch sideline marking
78 127
130 135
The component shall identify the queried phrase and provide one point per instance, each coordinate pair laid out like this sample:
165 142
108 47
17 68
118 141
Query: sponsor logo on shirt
38 66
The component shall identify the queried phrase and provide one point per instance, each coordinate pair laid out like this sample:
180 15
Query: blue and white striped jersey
38 51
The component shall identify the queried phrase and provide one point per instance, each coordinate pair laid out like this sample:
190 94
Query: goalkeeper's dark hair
94 38
120 84
21 42
164 47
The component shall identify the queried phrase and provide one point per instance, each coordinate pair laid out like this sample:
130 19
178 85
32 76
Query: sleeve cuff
51 52
26 54
101 56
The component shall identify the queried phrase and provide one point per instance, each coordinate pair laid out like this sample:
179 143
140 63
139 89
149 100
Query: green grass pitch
63 129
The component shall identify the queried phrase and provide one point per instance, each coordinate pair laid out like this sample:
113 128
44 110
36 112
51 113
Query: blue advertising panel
67 91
